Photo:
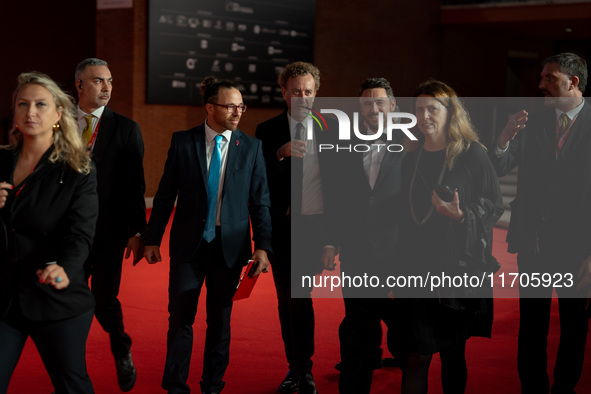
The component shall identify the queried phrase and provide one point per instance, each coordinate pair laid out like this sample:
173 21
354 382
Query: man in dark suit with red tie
117 148
297 181
216 174
550 219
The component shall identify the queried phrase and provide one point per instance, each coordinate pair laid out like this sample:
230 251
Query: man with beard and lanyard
296 169
367 235
550 218
117 150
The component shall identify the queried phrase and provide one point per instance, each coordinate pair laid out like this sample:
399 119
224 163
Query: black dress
441 318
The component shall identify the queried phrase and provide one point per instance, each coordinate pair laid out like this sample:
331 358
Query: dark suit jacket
560 186
52 219
367 224
118 155
274 133
244 193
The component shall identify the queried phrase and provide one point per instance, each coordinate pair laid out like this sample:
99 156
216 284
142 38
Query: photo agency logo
352 133
311 113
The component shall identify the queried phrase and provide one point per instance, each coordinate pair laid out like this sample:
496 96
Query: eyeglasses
232 107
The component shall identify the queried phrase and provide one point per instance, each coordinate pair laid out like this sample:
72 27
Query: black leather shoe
306 384
289 384
126 373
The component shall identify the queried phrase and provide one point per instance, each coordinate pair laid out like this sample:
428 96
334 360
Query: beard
374 122
232 126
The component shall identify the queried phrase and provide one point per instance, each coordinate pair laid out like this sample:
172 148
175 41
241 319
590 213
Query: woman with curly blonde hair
48 211
66 140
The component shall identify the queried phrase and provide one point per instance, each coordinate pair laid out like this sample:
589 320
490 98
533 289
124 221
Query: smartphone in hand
444 192
253 267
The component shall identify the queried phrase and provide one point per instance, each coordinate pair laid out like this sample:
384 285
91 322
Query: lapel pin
237 143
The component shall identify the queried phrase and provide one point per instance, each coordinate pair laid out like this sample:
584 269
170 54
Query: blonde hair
460 131
67 143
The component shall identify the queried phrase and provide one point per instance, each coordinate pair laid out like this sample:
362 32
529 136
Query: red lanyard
20 189
564 135
93 137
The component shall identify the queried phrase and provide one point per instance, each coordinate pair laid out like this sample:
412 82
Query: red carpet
257 363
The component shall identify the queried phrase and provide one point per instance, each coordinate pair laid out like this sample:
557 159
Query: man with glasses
216 175
287 148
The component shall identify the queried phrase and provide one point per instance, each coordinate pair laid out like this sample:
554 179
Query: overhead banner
248 42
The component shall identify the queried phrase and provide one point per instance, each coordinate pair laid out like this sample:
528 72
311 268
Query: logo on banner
347 130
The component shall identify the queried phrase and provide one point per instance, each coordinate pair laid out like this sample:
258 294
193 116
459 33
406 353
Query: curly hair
460 131
299 69
67 143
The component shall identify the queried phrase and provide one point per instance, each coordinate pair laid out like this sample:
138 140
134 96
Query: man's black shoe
306 384
126 373
289 384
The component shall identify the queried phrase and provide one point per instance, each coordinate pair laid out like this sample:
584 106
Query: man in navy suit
117 148
210 237
550 219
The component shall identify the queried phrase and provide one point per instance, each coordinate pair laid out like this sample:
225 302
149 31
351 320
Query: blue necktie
213 183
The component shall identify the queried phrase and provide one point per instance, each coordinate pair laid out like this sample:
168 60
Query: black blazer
560 186
274 133
52 219
367 220
118 155
244 194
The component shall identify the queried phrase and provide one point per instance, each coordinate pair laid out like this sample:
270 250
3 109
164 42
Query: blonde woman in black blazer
48 207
